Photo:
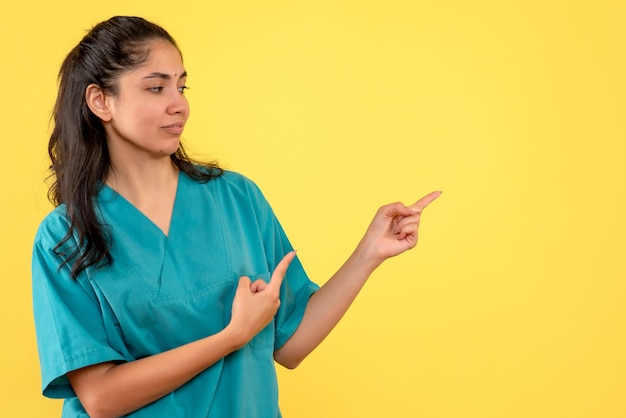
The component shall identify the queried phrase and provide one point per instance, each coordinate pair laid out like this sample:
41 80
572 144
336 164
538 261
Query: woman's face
149 111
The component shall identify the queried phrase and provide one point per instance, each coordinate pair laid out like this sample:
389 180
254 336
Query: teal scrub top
162 291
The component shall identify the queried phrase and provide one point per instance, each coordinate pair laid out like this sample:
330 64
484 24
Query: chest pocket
151 320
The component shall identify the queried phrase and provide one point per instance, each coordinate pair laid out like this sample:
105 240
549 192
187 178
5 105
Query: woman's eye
158 89
182 89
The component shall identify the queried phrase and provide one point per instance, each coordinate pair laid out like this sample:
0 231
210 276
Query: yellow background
513 304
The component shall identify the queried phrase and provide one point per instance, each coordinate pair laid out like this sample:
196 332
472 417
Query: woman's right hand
256 303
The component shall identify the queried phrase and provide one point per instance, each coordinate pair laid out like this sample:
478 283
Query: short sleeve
297 288
68 320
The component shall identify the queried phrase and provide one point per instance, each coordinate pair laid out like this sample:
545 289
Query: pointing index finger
419 206
280 270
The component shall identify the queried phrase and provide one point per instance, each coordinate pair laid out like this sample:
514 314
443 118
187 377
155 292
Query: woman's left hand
394 228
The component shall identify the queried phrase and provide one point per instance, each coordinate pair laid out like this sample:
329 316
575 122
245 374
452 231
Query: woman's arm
111 389
392 232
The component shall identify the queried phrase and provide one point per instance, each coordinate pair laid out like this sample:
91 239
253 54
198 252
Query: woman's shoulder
231 190
235 178
53 227
232 182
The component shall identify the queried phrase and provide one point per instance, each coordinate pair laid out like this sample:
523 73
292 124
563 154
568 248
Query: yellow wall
513 304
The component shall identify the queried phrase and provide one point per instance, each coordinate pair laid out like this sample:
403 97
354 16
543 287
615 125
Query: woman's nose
178 103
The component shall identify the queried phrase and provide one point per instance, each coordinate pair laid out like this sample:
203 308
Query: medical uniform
164 291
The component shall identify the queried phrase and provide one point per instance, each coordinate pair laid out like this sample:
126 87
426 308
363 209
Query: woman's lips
174 128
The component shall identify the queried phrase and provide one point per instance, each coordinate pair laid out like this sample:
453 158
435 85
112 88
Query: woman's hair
78 148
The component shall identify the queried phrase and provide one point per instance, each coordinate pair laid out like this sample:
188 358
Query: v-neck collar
108 194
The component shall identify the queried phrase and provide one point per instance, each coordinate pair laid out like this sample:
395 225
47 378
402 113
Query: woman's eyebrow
164 76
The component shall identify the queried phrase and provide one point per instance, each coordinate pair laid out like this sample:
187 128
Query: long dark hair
78 148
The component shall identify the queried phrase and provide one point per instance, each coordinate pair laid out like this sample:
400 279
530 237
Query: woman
162 287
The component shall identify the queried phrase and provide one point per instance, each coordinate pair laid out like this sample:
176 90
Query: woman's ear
98 102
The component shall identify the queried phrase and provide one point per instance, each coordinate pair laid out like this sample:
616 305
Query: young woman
164 287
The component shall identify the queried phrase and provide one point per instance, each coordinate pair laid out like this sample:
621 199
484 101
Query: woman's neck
150 187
